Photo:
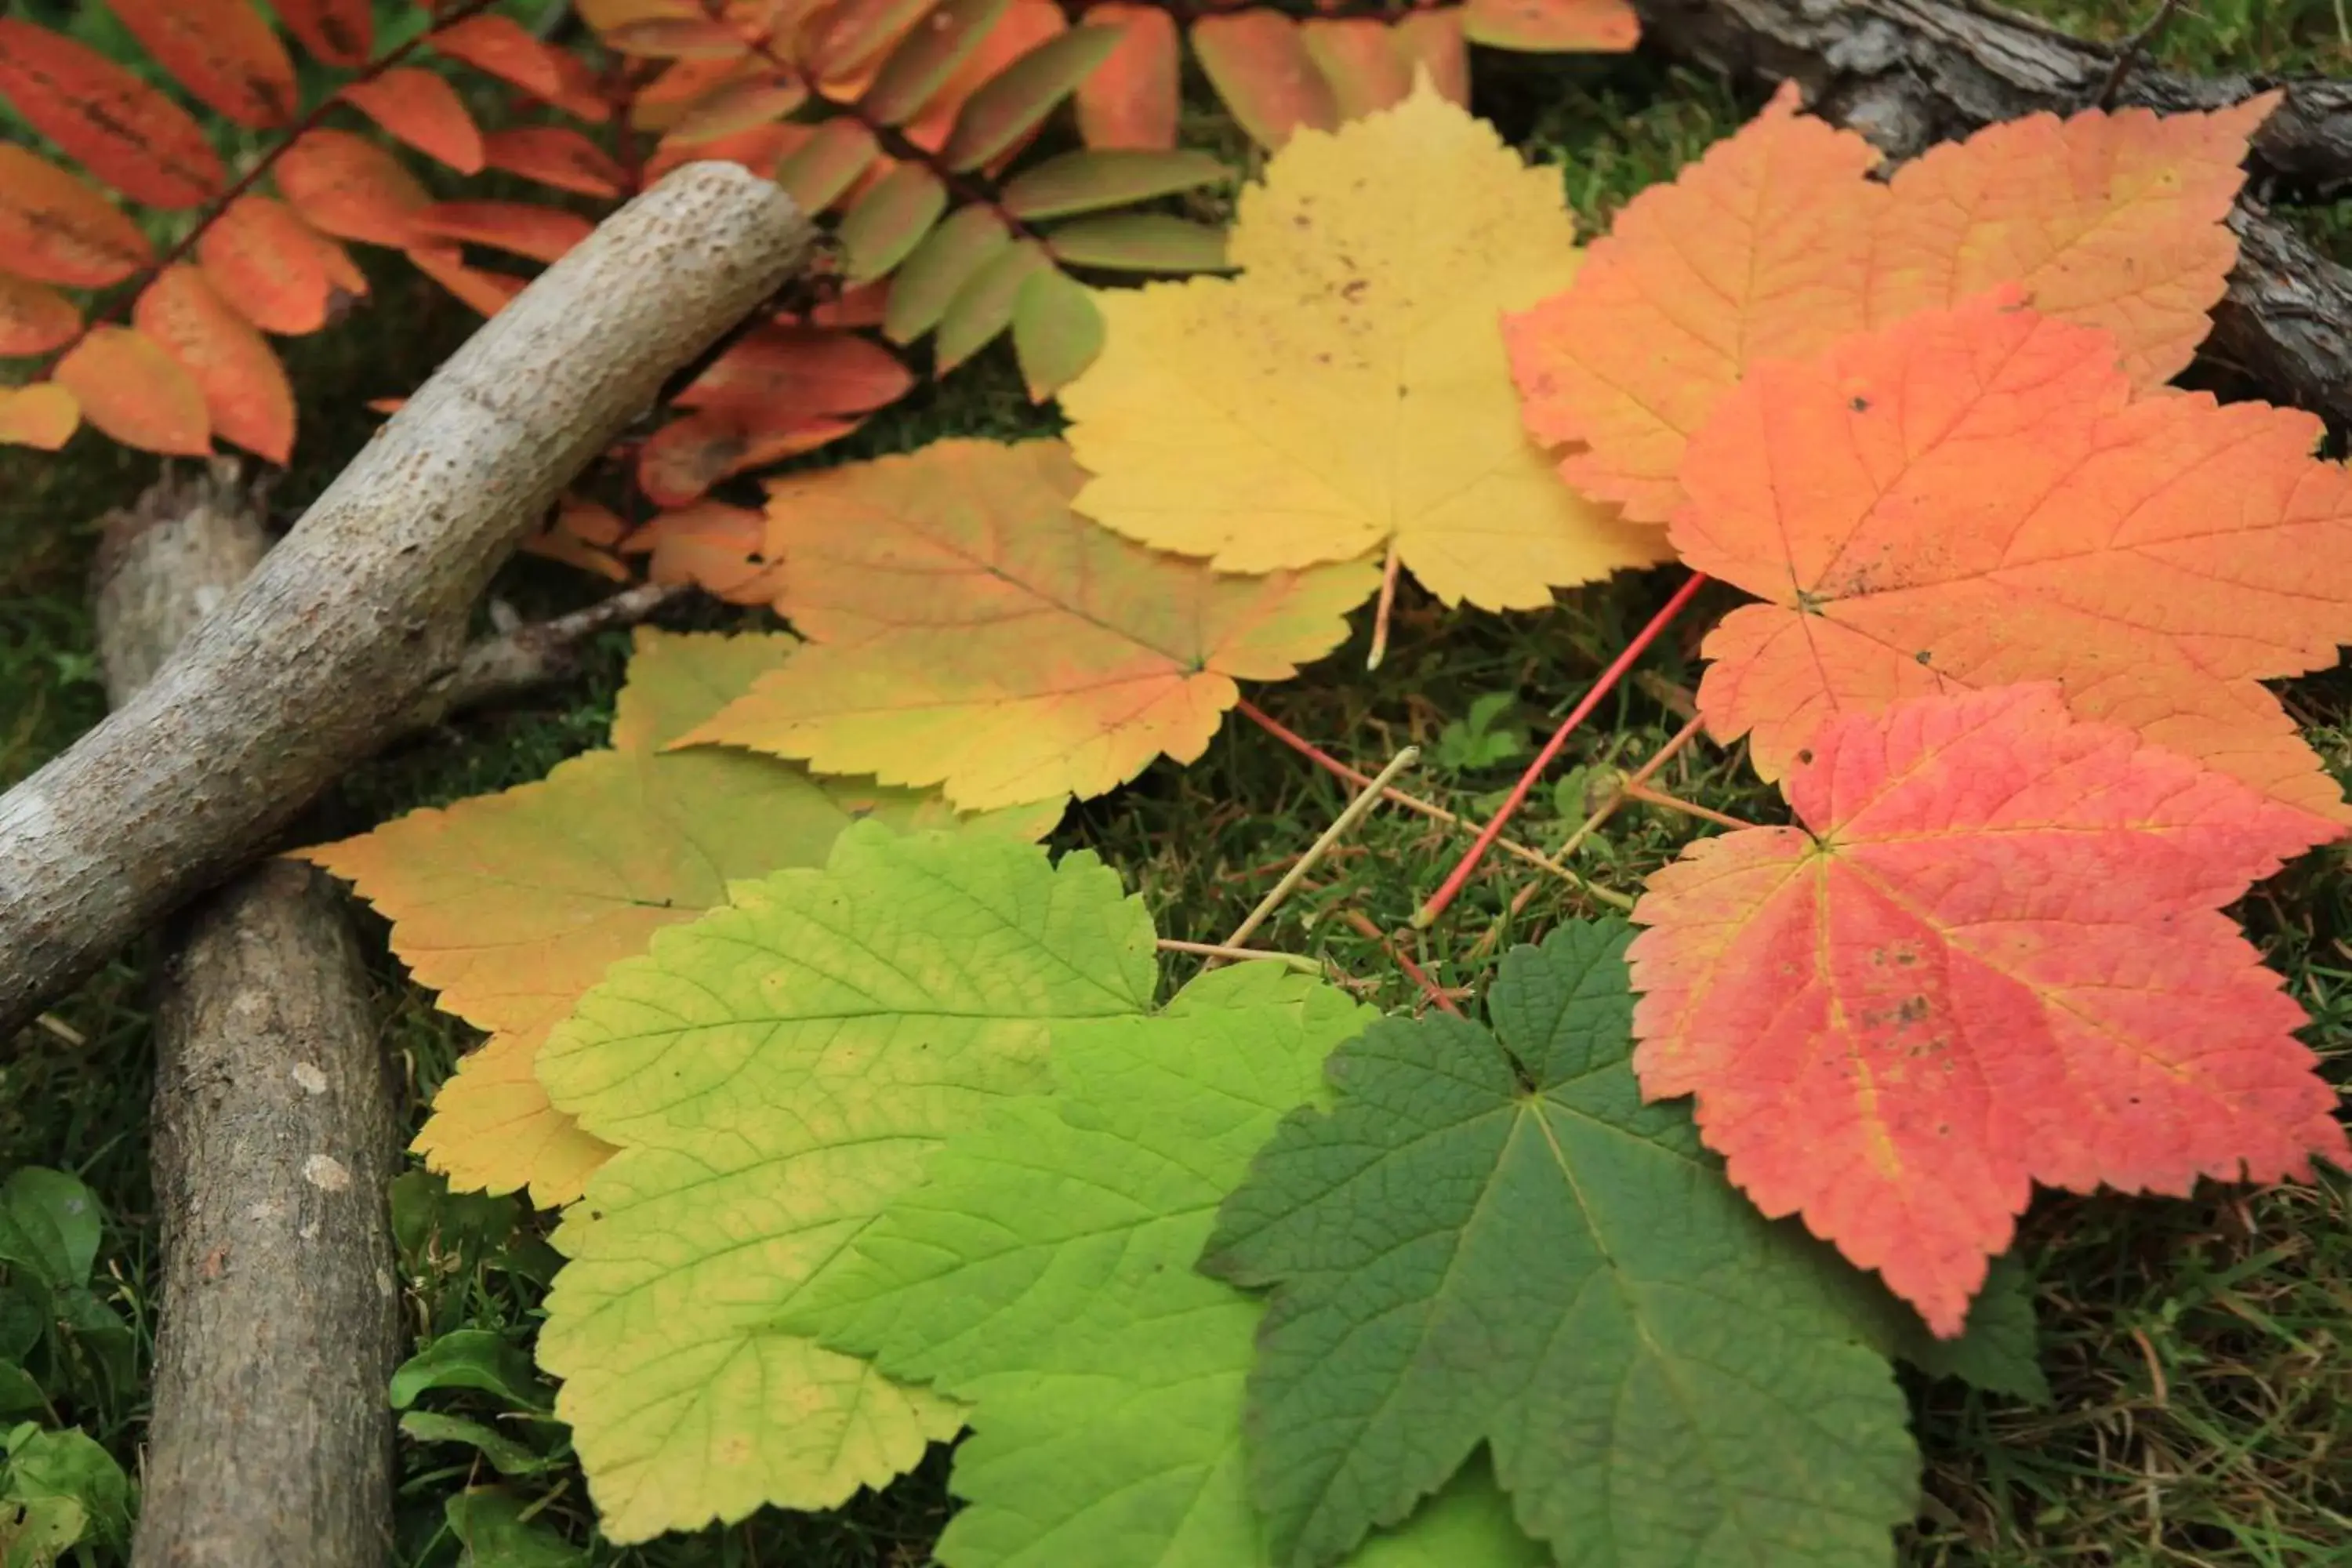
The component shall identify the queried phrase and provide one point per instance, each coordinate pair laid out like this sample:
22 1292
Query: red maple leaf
1991 953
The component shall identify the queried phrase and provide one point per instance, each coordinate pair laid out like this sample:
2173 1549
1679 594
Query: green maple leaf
1043 1272
771 1076
1490 1239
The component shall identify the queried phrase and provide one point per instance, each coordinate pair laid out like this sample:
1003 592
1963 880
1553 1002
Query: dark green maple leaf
1489 1238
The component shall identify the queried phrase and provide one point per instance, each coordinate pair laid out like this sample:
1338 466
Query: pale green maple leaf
772 1075
1043 1272
1489 1238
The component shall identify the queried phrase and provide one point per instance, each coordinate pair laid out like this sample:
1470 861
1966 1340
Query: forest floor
2200 1351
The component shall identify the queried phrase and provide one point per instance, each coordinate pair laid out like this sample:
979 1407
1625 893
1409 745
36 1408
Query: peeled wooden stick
360 614
276 1131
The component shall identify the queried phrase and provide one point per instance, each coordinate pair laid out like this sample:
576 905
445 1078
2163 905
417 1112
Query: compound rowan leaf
555 155
1056 331
285 275
969 629
1348 391
43 415
120 128
1140 242
1552 26
478 288
56 229
1003 113
339 32
1025 26
733 107
838 1026
130 387
1091 180
883 226
424 110
512 905
1043 1271
1431 42
1488 1237
1976 496
983 307
519 229
926 57
679 462
1358 58
347 187
821 168
34 317
1990 954
1259 63
931 277
246 394
1776 245
503 47
1131 100
221 50
789 372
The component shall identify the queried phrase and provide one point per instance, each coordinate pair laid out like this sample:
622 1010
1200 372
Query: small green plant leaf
931 278
983 307
19 1395
882 226
771 1077
1017 98
470 1358
1140 242
1086 181
506 1456
496 1530
1490 1239
1043 1270
46 1468
926 58
1056 330
50 1223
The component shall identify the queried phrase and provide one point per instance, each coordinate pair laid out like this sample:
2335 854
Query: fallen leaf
680 461
424 110
716 547
793 373
33 317
222 51
43 415
1044 1273
281 273
1132 100
834 1024
1489 1239
512 905
1549 25
1776 245
350 187
53 229
246 396
968 629
1977 496
1989 954
1349 390
118 127
339 32
132 389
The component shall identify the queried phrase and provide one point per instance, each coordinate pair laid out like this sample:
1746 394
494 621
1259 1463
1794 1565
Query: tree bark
276 1132
1907 73
360 614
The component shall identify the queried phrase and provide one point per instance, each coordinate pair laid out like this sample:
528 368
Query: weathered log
1907 73
276 1131
360 614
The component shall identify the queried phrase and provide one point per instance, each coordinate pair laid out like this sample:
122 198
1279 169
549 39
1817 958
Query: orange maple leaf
1991 954
969 629
1776 245
1976 496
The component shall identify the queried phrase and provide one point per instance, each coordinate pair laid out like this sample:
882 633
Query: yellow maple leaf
511 905
967 628
1349 392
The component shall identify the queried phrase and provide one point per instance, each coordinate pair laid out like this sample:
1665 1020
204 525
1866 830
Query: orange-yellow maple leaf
1976 496
970 630
1991 954
512 905
1776 245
